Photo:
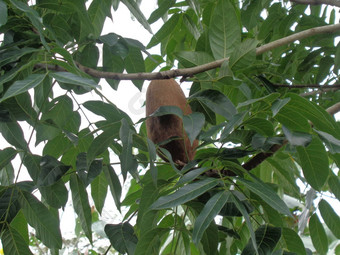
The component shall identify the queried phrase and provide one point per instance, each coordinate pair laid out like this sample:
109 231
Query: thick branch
188 72
317 2
319 91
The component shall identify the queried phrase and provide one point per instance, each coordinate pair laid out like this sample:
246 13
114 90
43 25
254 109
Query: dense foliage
267 165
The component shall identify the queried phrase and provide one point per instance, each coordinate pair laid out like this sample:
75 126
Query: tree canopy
264 90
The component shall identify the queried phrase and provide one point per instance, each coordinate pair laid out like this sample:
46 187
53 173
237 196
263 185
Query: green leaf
102 142
3 13
98 11
165 110
334 185
331 142
134 9
122 237
55 195
13 134
152 155
191 175
236 120
225 30
191 26
165 30
318 234
243 56
293 241
184 194
314 162
115 187
193 124
278 104
13 242
51 170
216 101
109 111
210 210
6 156
162 9
267 194
297 138
66 77
7 175
81 204
134 63
330 217
41 219
261 126
99 191
267 238
22 86
9 206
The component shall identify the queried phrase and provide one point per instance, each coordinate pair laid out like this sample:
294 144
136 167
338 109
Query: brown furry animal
161 128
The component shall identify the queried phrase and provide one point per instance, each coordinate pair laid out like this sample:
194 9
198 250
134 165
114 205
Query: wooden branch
317 2
189 72
319 91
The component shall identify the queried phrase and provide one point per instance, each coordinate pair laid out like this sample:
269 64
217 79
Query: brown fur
159 129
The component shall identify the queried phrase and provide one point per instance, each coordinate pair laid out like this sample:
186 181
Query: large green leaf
318 234
41 219
7 175
162 9
184 194
134 63
122 237
314 162
13 242
225 30
98 11
243 56
330 217
55 195
334 185
267 194
81 204
3 13
22 86
210 210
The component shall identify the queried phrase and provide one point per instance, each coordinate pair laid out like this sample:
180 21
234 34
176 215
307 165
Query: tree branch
319 91
317 2
189 72
334 86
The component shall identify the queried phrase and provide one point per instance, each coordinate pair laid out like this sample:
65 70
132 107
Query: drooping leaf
184 194
55 195
297 138
13 134
7 175
99 191
122 237
134 63
334 185
98 11
210 210
3 13
152 155
193 124
314 163
331 142
22 86
81 205
161 10
41 219
278 104
318 234
115 186
330 217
